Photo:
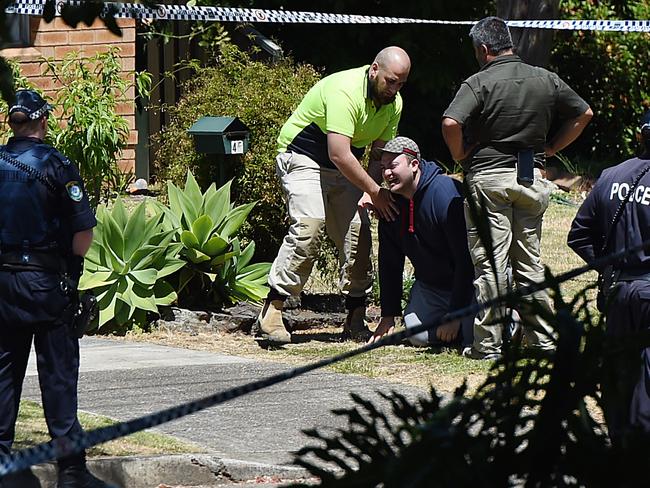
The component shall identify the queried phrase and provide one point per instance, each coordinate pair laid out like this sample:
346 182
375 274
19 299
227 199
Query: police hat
30 103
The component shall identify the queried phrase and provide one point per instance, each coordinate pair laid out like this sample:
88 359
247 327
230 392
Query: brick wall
55 39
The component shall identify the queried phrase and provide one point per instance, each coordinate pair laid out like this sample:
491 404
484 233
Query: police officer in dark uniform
628 310
46 227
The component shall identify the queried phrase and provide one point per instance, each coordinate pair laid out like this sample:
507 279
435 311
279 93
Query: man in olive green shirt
497 127
325 186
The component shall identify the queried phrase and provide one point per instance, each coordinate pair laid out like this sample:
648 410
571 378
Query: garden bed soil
302 313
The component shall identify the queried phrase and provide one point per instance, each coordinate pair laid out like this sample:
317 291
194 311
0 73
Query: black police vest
27 219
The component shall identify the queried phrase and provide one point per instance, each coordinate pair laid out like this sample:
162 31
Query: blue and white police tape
21 460
253 15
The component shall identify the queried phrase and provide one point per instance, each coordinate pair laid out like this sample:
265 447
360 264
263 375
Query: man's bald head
393 56
388 73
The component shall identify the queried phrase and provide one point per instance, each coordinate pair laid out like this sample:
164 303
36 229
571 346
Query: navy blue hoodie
430 230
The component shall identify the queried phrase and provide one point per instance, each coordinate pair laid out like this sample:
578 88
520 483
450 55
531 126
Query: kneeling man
431 231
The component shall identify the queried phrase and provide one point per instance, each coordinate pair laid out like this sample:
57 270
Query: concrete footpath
254 435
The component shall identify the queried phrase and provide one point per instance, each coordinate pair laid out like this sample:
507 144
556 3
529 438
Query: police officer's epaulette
46 153
39 152
57 157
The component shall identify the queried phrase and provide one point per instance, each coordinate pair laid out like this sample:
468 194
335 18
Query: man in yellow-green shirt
325 186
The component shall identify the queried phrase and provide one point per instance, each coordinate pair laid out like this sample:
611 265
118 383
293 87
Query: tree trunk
532 45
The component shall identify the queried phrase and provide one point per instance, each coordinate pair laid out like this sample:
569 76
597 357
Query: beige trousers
320 198
515 214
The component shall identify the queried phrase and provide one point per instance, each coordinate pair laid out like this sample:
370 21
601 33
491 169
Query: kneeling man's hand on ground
385 327
448 331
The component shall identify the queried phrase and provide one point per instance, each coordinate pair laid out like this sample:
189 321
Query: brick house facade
56 38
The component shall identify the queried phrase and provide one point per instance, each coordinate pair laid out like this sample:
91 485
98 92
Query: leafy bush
609 70
262 96
407 284
90 132
157 255
126 266
217 269
88 129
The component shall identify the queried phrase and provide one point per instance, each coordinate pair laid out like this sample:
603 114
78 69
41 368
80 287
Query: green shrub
262 96
609 70
90 131
157 255
407 284
126 266
94 134
87 128
217 270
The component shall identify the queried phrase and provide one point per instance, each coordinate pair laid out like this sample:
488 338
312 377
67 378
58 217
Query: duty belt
32 261
625 276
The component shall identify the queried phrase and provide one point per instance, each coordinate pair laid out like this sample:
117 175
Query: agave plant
127 262
218 269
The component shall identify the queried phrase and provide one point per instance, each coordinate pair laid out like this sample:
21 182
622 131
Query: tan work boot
355 326
269 325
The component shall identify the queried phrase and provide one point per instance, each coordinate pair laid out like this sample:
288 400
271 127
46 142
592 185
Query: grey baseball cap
402 145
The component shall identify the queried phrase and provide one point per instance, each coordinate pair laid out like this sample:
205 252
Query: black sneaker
79 477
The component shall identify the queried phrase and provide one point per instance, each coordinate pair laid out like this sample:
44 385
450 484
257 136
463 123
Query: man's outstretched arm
338 147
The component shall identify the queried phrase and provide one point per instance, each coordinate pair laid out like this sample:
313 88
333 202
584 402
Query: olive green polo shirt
339 103
509 106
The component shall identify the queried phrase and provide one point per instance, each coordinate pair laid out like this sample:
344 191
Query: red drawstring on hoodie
411 227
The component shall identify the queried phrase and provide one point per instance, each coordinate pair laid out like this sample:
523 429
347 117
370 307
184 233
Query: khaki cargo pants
515 214
320 198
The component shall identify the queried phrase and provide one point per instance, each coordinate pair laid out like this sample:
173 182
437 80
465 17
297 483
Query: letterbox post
223 140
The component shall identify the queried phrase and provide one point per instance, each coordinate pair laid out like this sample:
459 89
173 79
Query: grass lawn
445 370
31 430
555 252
